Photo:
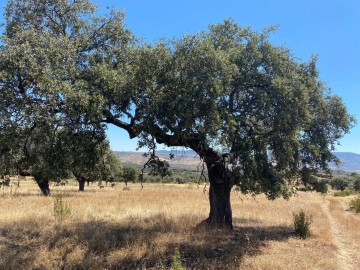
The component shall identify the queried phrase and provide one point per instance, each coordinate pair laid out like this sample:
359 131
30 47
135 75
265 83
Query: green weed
176 261
302 224
344 193
62 209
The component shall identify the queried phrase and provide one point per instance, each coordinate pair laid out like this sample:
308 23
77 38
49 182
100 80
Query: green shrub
62 209
344 193
302 224
355 204
340 183
303 188
126 188
357 185
321 186
176 261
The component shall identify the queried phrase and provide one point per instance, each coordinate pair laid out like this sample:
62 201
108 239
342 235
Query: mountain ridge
188 159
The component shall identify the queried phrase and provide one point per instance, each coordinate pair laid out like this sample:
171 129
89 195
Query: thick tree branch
111 119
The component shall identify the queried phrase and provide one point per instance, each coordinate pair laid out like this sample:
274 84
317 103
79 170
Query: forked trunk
219 195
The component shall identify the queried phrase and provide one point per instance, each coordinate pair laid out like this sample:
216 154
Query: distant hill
187 159
349 161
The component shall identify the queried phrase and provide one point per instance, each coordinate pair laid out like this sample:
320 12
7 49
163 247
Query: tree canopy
258 117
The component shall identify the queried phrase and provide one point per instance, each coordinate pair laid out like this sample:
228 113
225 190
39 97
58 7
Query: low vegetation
344 193
62 209
112 228
355 204
302 224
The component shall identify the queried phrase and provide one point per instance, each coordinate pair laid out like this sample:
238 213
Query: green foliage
177 176
356 185
90 154
46 153
355 204
46 101
321 186
302 224
344 193
249 108
110 168
129 174
340 183
62 209
156 166
313 183
176 260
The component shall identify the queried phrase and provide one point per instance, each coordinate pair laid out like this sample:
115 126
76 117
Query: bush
355 204
176 261
344 193
302 224
339 183
62 209
321 186
356 185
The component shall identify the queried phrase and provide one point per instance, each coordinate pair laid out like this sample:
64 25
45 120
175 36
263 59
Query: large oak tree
258 117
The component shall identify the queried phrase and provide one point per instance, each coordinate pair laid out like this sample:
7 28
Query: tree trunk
219 195
81 181
220 207
44 186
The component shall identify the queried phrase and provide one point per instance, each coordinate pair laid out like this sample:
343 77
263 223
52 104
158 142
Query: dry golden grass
112 228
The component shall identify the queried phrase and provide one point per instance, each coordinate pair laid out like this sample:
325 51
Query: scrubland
160 227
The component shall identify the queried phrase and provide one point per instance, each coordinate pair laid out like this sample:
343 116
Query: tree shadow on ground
137 243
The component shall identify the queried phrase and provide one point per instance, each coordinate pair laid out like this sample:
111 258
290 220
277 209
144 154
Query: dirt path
340 239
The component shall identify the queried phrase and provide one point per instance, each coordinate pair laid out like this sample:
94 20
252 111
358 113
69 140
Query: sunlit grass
112 228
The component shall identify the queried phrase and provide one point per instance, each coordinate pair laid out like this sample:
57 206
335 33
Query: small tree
302 224
129 174
110 169
88 153
339 183
321 186
356 185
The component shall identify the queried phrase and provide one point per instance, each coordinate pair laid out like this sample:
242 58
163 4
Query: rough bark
44 186
220 207
81 181
219 195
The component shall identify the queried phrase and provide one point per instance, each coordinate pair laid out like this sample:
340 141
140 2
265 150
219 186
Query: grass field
159 227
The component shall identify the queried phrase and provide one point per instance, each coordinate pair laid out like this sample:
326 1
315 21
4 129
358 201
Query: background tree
43 49
129 174
257 116
356 185
110 168
45 156
340 183
88 151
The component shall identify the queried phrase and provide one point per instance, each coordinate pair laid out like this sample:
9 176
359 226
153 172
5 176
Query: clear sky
327 28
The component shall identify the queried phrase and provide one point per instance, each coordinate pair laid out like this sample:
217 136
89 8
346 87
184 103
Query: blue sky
327 28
